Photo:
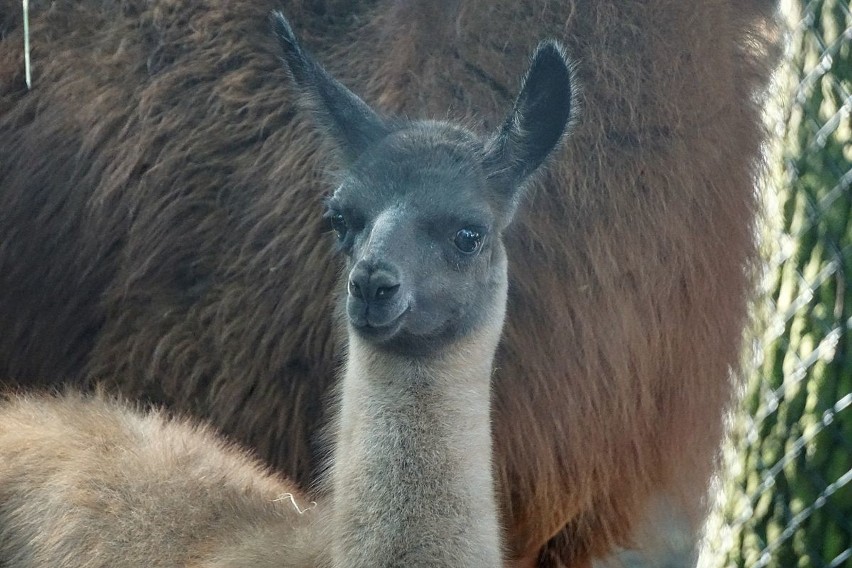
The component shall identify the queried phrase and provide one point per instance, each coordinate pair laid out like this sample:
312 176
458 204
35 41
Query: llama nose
372 284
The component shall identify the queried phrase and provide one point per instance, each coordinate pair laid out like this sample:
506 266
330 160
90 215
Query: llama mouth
378 332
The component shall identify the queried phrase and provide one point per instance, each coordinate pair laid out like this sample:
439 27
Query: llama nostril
386 292
370 283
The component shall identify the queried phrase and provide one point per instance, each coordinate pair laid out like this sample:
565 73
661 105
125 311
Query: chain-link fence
787 493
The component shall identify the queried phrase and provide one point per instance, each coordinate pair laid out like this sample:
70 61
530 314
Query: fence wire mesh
787 492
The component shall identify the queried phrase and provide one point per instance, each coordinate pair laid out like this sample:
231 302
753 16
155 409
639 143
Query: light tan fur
443 405
86 482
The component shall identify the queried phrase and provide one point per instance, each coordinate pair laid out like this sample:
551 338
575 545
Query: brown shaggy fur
158 226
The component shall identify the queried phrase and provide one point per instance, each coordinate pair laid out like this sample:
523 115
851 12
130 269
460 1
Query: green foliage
788 501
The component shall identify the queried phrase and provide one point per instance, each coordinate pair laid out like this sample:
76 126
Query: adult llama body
157 229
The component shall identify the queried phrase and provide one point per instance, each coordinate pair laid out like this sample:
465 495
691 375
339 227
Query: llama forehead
431 169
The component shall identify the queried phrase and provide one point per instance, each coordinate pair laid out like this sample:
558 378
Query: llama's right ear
351 123
540 117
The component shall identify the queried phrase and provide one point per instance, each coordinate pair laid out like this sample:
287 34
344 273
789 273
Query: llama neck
412 479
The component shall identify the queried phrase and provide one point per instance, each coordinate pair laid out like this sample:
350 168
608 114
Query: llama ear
341 113
539 118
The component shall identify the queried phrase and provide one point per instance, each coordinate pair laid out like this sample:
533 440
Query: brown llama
156 230
419 215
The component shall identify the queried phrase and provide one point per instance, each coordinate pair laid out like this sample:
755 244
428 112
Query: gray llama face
420 227
422 205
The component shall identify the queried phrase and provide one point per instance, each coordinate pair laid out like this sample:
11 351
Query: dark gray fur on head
410 188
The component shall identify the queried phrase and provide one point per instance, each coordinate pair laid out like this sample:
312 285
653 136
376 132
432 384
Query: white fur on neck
412 476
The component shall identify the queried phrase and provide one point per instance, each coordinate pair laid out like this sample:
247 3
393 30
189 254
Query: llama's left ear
540 117
350 122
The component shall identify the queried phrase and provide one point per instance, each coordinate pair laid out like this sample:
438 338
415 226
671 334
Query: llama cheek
425 317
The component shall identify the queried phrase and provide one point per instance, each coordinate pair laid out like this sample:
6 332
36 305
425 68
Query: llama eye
338 225
468 241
